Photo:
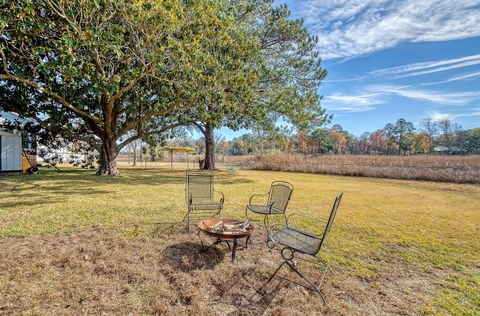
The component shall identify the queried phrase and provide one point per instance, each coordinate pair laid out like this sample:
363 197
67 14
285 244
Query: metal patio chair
200 196
276 204
304 246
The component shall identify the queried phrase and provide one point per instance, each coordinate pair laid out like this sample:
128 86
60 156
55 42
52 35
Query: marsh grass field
440 168
74 243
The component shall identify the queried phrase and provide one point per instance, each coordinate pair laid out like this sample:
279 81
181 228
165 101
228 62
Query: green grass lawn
414 244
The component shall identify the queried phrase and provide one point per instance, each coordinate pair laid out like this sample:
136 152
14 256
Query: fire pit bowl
225 230
213 227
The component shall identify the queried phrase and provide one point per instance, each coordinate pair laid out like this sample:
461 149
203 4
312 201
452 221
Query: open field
73 243
458 169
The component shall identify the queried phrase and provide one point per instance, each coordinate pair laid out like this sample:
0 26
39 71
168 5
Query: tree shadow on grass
128 177
188 256
29 202
52 187
38 194
158 177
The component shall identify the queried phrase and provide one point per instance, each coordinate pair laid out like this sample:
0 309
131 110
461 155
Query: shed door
17 152
10 153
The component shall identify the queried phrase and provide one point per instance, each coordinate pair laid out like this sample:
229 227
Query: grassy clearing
73 242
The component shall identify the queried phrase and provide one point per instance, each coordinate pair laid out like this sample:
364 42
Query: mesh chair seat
203 204
263 209
297 240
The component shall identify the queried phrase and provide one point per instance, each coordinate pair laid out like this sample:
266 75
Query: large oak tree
110 72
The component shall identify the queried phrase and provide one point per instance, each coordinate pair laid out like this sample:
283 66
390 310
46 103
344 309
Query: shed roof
5 133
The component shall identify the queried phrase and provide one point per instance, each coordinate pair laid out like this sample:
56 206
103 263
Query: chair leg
265 223
186 220
327 268
293 268
272 276
276 271
310 286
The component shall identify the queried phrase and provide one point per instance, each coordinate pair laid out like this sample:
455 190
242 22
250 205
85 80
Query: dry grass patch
97 271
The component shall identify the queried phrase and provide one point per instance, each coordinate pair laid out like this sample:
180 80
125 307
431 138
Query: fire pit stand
208 226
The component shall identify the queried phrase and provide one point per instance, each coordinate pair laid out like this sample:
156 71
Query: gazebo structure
185 150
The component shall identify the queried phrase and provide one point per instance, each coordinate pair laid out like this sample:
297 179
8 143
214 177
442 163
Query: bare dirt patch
104 272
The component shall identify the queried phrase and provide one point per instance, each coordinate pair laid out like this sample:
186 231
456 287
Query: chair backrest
333 213
280 194
199 185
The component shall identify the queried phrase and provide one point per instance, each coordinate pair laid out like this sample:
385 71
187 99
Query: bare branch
98 63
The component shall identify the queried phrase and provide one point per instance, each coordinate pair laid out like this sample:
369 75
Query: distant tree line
398 138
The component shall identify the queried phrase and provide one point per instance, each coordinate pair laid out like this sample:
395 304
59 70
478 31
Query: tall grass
460 169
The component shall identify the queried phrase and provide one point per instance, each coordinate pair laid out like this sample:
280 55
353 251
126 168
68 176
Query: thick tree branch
145 134
127 88
114 103
56 97
71 133
200 127
174 107
53 95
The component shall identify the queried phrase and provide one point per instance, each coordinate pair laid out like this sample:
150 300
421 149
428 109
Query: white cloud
362 100
421 68
348 28
373 95
434 96
352 103
438 116
415 69
455 78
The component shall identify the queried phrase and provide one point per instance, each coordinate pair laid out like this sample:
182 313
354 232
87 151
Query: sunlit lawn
404 240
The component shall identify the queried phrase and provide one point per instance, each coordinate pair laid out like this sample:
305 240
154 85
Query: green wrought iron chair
200 196
277 201
301 245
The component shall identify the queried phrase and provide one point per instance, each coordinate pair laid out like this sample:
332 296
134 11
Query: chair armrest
190 199
222 199
251 198
310 219
272 230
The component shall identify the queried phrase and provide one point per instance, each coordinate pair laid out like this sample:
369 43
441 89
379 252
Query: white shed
10 152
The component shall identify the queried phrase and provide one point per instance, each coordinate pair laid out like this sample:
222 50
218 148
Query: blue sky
392 59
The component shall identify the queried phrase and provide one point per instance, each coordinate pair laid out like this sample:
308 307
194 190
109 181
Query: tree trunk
134 155
209 163
108 154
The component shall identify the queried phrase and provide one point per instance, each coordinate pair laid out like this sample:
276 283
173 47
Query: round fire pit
226 230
